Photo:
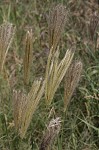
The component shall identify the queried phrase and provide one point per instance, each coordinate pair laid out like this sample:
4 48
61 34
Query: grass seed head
71 80
51 133
25 106
57 19
6 35
55 72
32 101
19 100
28 56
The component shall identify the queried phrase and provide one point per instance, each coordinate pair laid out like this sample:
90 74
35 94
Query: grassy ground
80 124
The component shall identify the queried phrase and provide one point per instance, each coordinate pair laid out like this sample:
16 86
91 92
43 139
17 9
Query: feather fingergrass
58 17
72 78
28 56
6 36
51 133
25 106
55 72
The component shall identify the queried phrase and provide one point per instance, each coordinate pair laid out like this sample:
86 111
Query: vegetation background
80 124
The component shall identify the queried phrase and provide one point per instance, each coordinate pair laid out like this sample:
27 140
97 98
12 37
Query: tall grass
48 95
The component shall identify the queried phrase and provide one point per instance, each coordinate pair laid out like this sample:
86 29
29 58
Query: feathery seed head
28 56
6 35
52 131
71 80
25 106
57 18
55 72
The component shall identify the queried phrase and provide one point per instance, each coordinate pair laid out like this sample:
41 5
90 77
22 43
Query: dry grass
51 133
79 126
6 36
28 56
57 20
72 78
25 106
55 72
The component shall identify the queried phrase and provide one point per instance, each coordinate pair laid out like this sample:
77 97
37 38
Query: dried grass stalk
51 133
71 80
28 56
25 107
19 100
55 72
32 102
6 35
57 19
